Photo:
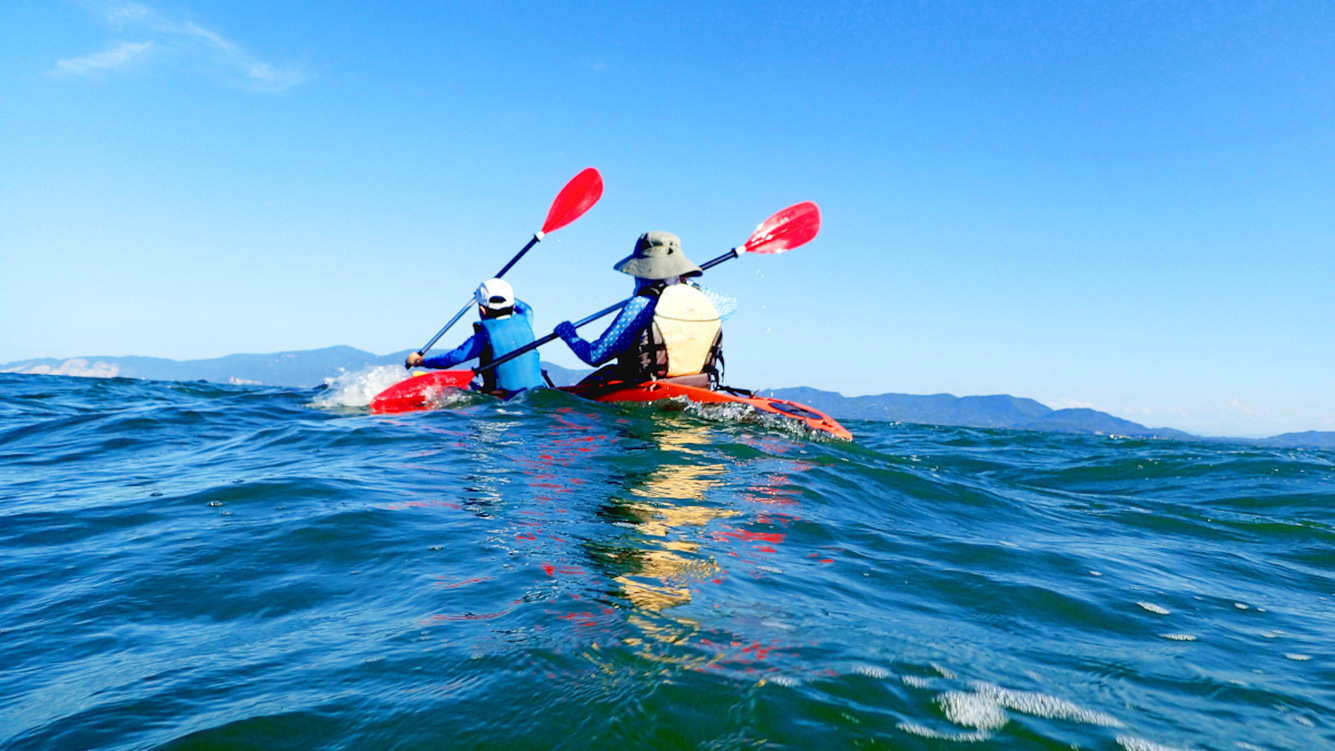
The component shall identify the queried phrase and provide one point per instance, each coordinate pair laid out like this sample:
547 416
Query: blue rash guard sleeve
473 345
637 314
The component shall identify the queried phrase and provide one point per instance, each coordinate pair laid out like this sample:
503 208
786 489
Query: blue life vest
505 335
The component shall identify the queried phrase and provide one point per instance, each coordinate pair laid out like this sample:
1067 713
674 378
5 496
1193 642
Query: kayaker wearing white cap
669 329
506 325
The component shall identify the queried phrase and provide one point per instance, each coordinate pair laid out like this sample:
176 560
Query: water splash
358 388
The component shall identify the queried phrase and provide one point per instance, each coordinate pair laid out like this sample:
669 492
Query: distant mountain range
1000 411
1012 413
310 368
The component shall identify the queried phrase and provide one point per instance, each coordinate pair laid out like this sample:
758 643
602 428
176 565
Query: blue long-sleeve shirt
472 346
632 319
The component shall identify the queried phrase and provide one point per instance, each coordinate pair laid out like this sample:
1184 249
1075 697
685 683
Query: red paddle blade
788 229
578 196
419 392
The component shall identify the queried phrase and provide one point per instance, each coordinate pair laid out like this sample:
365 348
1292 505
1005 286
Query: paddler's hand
413 360
566 330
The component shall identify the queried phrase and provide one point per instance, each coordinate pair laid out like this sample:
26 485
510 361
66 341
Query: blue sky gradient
1128 206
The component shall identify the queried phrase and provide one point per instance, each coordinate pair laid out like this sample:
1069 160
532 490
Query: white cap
495 294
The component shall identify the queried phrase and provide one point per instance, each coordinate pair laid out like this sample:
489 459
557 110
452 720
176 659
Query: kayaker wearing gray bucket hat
669 329
657 256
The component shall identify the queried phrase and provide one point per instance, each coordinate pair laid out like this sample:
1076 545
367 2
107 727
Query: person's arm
472 347
637 314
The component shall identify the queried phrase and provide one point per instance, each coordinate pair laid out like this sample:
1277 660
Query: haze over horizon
1119 207
343 370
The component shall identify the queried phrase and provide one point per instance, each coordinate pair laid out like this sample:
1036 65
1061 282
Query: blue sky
1128 206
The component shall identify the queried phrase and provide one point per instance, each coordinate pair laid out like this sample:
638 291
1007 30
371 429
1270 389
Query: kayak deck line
650 391
422 391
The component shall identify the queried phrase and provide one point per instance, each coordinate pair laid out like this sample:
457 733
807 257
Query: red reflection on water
739 653
586 618
747 535
825 560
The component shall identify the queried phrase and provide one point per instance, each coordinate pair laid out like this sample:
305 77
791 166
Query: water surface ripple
198 566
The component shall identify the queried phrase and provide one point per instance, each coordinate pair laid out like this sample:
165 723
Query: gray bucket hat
657 255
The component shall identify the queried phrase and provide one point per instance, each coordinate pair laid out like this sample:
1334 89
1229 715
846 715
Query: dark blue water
195 566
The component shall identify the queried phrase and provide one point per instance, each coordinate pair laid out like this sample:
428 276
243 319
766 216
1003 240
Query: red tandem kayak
422 390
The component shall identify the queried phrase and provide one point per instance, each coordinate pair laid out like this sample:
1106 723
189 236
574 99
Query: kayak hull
425 389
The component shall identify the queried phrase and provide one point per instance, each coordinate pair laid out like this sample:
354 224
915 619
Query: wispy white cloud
118 13
182 43
210 37
258 74
121 55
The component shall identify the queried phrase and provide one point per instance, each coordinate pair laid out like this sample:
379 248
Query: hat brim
662 267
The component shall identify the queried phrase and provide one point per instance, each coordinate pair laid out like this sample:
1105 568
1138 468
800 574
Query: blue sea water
199 566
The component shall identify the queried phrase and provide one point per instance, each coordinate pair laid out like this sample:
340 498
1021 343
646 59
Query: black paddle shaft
469 304
550 337
590 319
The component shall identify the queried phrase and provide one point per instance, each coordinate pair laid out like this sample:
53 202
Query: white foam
872 671
1179 637
1140 744
916 681
1154 608
1042 705
926 732
357 389
972 710
1297 657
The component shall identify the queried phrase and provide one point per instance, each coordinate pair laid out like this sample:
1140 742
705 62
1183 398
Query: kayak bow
421 391
650 391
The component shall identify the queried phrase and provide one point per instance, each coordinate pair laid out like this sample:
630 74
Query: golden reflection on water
662 570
